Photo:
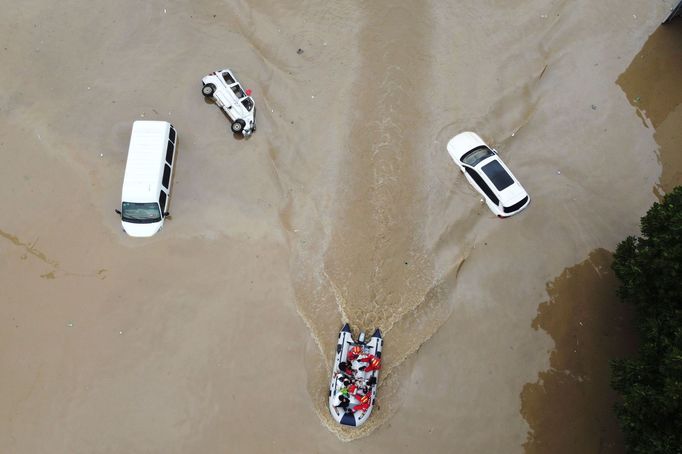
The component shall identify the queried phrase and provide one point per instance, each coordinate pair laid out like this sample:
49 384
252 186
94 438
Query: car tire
238 126
208 90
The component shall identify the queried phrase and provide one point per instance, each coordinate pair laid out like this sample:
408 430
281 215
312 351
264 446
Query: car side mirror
117 211
166 214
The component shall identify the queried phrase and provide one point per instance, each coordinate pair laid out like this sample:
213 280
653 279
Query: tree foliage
650 270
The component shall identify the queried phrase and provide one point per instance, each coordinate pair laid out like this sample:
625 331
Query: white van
147 179
236 102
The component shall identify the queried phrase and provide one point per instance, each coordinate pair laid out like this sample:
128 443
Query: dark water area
570 407
653 85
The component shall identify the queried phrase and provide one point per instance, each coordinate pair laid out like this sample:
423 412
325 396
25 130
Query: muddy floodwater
217 334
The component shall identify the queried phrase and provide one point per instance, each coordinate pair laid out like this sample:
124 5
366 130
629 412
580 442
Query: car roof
498 172
144 165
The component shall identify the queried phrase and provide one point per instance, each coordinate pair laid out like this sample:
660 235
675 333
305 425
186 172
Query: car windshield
141 213
500 178
476 155
248 103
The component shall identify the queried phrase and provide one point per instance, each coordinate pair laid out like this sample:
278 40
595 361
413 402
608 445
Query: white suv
237 103
486 172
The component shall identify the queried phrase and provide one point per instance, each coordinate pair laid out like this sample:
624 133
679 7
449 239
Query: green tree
650 270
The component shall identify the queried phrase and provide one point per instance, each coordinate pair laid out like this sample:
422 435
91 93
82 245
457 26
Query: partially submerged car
486 172
236 102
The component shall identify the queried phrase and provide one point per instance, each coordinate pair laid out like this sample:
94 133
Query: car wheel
238 126
208 90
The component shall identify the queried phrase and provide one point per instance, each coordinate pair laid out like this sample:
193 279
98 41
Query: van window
169 153
172 134
228 78
238 91
481 184
162 201
166 175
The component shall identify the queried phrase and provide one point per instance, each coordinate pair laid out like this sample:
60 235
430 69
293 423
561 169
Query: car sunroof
500 178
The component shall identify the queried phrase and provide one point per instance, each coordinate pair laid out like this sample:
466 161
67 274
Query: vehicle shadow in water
570 408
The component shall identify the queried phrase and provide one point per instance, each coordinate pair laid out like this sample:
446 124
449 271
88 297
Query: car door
229 98
223 95
224 98
239 94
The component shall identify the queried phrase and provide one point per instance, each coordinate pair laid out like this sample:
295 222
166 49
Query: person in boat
346 368
363 386
364 402
357 386
359 366
358 371
343 380
354 352
341 401
372 363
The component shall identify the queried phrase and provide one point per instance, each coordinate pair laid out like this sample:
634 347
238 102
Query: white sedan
486 172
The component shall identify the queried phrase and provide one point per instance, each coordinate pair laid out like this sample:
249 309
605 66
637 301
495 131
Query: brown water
652 85
589 326
217 334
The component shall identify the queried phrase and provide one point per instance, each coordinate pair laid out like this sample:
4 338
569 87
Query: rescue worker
364 402
353 388
373 363
354 352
